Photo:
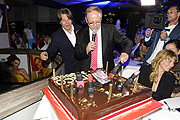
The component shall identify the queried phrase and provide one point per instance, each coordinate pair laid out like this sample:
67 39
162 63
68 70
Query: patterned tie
94 55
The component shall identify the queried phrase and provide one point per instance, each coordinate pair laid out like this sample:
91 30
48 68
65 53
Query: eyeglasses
94 23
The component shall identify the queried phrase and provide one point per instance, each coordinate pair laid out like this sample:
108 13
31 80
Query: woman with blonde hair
158 75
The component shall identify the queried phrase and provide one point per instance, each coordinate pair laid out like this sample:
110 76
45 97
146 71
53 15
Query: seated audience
45 43
14 41
38 40
143 50
135 49
174 45
22 44
158 76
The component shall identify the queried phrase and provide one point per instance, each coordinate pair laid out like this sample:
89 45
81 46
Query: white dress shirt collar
72 36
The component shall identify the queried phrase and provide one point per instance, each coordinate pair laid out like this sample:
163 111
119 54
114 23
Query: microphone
94 34
131 78
114 71
90 87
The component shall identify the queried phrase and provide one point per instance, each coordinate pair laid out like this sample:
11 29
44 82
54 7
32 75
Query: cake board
135 112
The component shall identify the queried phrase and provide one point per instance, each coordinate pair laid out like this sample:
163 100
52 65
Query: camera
155 21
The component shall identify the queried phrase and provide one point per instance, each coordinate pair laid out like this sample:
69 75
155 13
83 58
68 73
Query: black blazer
61 43
166 84
110 36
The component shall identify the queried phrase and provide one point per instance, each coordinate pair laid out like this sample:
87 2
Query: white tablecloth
45 111
164 113
131 67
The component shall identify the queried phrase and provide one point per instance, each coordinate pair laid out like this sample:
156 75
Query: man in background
158 38
28 36
45 43
64 40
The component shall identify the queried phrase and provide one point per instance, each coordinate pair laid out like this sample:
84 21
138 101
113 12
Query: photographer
155 39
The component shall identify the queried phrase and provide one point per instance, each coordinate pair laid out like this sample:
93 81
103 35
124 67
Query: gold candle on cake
135 84
106 67
121 70
54 74
72 86
62 88
110 92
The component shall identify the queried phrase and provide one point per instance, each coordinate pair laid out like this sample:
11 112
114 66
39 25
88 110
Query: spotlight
147 2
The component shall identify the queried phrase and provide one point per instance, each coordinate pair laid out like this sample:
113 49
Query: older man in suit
64 40
95 53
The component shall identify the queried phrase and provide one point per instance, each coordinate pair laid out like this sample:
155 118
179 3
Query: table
164 113
46 112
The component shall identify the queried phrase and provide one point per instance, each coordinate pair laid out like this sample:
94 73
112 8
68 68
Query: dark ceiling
120 7
105 5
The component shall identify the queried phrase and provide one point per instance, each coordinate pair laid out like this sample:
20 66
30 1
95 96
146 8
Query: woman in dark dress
158 76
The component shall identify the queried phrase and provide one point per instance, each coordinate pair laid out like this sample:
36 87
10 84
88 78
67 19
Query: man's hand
148 32
123 57
90 46
44 55
164 35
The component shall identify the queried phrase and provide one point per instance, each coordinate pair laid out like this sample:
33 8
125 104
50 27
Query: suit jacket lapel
87 34
66 39
104 36
175 31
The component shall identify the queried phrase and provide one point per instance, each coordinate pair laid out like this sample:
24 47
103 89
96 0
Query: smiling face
15 64
38 64
93 20
166 64
66 22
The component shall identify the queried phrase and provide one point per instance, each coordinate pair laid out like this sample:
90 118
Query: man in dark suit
158 38
3 26
107 35
64 40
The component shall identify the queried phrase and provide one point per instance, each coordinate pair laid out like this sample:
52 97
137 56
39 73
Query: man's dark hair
64 11
177 7
175 42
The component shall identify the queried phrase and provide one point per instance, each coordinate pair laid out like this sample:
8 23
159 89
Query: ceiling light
147 2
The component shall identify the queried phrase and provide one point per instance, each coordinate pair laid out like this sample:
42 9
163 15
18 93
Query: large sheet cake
82 107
